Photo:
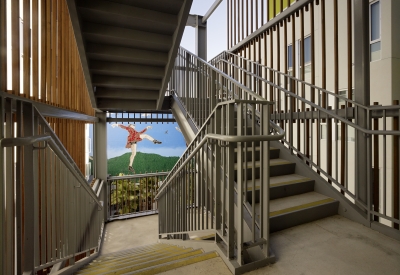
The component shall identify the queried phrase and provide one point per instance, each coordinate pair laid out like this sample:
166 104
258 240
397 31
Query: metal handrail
138 176
24 141
317 107
225 138
237 83
277 129
285 75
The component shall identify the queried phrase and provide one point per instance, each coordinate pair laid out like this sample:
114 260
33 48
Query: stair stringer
346 208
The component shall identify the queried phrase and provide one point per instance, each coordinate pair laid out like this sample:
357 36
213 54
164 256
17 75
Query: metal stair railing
134 195
199 193
200 87
321 129
56 218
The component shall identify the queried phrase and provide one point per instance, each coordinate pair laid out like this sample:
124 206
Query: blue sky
173 143
216 28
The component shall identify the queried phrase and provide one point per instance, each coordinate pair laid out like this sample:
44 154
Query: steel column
201 38
3 79
3 251
362 92
100 154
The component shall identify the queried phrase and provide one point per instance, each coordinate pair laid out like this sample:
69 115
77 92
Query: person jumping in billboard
133 138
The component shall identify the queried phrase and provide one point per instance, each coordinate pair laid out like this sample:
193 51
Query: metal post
230 183
30 192
201 38
3 253
100 154
3 78
362 92
240 191
265 172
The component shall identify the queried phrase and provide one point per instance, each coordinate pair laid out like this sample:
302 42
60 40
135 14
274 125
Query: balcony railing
133 195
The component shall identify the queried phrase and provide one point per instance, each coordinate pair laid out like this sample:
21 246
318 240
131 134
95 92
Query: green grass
143 163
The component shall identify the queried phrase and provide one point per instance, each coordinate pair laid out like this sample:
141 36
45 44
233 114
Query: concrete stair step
246 130
97 266
177 263
278 167
282 186
114 266
136 250
274 153
298 209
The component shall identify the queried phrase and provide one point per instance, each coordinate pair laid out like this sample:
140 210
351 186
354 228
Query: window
351 133
307 50
307 55
324 132
341 102
375 31
290 58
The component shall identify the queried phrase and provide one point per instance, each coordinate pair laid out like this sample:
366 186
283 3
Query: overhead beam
141 119
126 105
211 10
127 37
132 13
102 92
126 69
126 82
124 54
73 13
176 41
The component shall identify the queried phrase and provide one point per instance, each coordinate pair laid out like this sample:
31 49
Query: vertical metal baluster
253 172
230 177
265 178
239 182
217 173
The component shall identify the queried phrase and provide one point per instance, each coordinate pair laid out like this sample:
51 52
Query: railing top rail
238 84
138 176
24 141
369 108
293 78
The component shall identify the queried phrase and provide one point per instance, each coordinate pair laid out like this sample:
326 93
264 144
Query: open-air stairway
293 200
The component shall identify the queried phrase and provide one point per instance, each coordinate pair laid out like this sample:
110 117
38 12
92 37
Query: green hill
143 163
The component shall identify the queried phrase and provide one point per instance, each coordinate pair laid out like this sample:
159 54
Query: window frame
379 40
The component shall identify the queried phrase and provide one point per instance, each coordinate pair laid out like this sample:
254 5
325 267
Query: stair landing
333 245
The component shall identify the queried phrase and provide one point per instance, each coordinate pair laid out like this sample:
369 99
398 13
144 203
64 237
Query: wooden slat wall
309 20
53 74
246 16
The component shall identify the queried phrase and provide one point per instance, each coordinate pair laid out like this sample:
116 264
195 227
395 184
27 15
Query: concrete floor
126 234
333 245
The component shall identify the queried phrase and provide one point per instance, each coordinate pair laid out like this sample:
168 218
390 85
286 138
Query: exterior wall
42 31
395 33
